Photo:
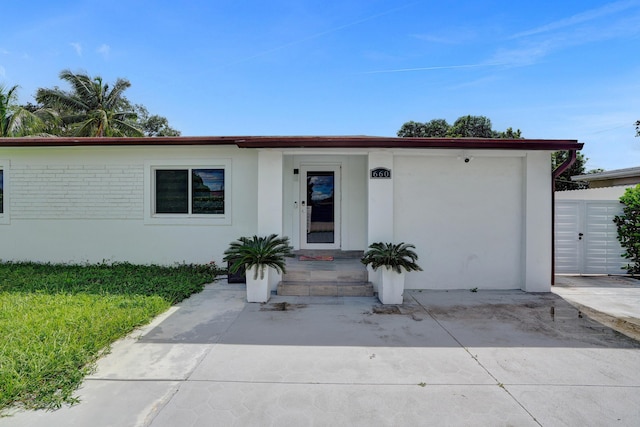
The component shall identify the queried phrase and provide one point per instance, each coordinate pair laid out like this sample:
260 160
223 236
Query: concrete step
343 275
337 270
325 275
326 289
336 254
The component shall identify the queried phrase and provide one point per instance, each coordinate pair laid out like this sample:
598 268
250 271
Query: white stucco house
478 210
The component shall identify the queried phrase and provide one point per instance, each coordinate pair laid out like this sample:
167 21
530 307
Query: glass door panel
320 207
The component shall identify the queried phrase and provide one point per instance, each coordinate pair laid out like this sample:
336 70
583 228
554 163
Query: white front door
320 207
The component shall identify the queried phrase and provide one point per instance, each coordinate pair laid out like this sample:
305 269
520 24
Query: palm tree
91 108
16 120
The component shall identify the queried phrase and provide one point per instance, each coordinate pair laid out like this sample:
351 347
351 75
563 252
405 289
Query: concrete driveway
611 300
487 358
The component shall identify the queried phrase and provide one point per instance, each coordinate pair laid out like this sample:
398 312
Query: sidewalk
455 358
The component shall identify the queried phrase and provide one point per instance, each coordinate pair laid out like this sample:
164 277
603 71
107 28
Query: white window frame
152 218
4 216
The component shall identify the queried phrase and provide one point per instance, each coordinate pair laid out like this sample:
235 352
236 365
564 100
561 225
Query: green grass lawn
56 321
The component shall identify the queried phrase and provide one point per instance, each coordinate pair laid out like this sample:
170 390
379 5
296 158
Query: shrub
260 251
395 257
628 225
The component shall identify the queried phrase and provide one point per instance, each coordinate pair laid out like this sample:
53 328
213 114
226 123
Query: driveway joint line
474 357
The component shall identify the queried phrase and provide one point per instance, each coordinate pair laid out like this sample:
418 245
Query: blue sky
554 69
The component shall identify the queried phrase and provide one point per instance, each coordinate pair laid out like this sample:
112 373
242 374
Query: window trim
150 217
5 216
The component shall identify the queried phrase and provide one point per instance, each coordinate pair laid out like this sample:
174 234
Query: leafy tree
16 120
91 107
436 128
153 125
412 129
471 126
628 225
509 134
464 127
564 182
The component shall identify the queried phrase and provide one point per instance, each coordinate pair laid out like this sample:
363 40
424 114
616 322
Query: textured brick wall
77 191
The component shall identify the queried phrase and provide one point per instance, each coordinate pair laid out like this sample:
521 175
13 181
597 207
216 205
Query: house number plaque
380 173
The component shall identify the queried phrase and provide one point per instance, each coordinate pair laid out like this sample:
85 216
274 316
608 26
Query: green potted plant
395 261
256 254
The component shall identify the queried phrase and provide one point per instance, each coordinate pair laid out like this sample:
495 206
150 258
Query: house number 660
381 173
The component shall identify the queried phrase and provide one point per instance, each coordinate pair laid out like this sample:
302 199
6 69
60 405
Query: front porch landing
344 276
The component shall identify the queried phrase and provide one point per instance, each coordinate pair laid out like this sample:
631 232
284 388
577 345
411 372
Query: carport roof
611 174
303 142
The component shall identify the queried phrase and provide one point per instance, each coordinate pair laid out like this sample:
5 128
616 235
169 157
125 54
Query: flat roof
614 173
303 142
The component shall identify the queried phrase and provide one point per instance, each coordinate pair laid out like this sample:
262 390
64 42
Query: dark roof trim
305 142
392 142
111 141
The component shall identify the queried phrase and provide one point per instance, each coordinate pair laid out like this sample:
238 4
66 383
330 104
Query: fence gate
586 237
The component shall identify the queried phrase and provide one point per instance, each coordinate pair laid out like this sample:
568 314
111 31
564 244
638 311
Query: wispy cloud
603 23
527 54
440 67
580 18
324 33
4 51
104 50
77 47
3 72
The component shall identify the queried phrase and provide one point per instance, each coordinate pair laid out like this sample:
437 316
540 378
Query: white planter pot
392 287
258 290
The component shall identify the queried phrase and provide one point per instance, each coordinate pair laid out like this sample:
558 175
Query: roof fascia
305 142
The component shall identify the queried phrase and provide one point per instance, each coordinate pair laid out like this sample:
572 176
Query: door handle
580 236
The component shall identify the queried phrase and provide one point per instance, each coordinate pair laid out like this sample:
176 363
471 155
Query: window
189 191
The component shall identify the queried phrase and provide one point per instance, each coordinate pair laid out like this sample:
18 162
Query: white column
379 205
380 202
270 192
537 222
270 187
